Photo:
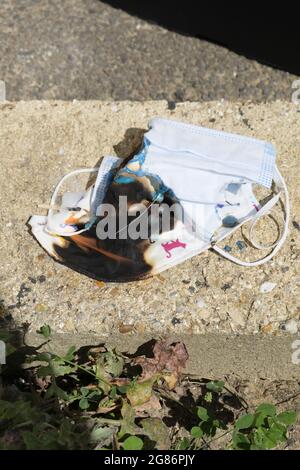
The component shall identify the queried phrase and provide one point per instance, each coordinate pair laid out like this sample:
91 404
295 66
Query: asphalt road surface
85 49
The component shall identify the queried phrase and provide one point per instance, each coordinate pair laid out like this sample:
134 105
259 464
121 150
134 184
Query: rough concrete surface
41 141
85 49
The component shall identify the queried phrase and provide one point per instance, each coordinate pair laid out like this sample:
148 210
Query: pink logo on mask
171 246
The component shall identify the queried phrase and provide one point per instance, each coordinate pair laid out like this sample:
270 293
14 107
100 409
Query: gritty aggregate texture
41 141
85 49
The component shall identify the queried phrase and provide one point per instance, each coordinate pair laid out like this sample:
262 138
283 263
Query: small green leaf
102 376
215 386
216 423
70 354
275 424
100 433
245 421
287 417
184 444
113 392
240 441
55 391
208 428
260 419
263 439
84 404
208 397
267 409
114 363
196 432
56 367
128 425
84 391
202 413
44 357
31 441
133 443
45 331
276 434
96 393
270 441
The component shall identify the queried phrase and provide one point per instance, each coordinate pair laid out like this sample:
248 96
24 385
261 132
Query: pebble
226 286
241 245
61 151
296 225
267 328
100 284
171 105
200 303
123 328
290 326
237 317
40 308
267 287
180 309
230 221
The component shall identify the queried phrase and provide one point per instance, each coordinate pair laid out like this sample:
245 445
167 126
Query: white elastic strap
55 193
262 212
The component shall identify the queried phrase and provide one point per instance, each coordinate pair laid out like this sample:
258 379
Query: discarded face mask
185 190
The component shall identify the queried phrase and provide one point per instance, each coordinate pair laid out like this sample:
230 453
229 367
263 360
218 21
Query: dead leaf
92 387
150 408
171 380
106 405
97 350
114 363
103 377
120 381
168 358
139 393
42 382
158 432
128 425
103 435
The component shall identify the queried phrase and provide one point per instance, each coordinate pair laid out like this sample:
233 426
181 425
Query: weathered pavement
85 49
220 309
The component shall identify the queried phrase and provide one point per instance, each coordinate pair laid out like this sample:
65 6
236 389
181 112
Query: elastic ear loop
55 193
146 210
264 211
54 196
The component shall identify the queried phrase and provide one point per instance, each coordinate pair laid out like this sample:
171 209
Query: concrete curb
210 356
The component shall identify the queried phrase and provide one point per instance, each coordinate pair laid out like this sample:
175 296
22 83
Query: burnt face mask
69 232
185 190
